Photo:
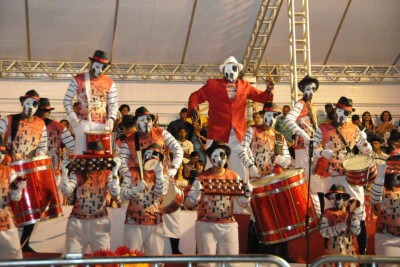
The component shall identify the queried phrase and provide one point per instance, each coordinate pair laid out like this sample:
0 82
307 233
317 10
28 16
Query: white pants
319 184
147 239
172 227
302 161
388 245
80 233
80 136
217 239
10 248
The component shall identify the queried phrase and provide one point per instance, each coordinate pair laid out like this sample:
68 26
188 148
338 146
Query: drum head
151 164
273 178
357 163
94 132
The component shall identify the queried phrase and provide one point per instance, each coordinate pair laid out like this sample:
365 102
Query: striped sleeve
286 154
3 125
174 147
316 144
68 184
326 230
42 147
68 141
245 154
69 99
124 154
112 100
376 193
292 116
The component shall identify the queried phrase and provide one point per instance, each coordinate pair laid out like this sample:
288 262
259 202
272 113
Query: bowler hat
30 94
100 56
271 107
337 189
142 111
345 104
44 104
307 80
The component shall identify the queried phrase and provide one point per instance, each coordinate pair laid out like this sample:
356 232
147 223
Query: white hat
231 60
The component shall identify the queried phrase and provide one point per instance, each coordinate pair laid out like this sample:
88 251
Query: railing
364 259
156 261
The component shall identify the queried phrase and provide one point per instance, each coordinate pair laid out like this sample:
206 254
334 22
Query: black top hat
100 56
270 106
3 148
30 94
142 111
128 121
337 189
345 104
307 80
218 144
44 104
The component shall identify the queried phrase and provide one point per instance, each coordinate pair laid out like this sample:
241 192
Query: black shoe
27 248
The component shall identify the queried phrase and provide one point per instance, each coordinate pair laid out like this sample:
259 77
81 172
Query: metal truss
14 69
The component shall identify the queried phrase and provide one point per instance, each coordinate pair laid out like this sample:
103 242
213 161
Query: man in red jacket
227 108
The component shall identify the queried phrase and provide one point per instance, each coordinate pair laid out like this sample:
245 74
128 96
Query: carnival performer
25 137
334 142
145 136
340 224
227 108
144 224
302 121
58 137
11 188
216 230
89 222
264 151
97 97
386 192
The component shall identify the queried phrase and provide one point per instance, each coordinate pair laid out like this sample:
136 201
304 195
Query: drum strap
342 138
278 144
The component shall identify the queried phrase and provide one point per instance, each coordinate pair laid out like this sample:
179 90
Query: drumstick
140 161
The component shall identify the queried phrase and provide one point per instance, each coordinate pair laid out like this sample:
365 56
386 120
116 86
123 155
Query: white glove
327 153
114 181
171 173
355 226
115 169
253 171
357 213
109 124
305 137
64 169
381 167
341 227
280 160
361 138
21 185
140 186
248 189
365 148
195 192
159 170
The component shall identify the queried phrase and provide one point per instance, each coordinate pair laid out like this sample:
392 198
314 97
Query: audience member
385 126
368 124
355 119
191 165
394 143
376 143
257 118
281 127
175 125
124 109
199 139
328 114
186 145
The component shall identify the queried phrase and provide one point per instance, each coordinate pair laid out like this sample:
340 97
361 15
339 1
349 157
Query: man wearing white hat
227 108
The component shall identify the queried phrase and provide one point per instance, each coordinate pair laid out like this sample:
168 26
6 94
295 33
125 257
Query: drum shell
173 200
361 176
102 136
279 205
40 198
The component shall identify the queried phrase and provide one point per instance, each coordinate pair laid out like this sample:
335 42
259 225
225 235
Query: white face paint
97 68
219 158
309 90
270 118
144 124
342 115
30 106
231 72
337 200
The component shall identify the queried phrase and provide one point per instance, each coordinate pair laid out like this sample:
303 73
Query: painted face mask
270 118
144 124
30 106
219 158
97 68
337 200
342 115
231 72
309 90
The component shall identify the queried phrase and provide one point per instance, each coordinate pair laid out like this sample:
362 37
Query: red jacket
222 112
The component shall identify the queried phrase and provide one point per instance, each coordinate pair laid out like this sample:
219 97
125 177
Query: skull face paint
309 90
337 200
231 72
219 158
30 106
342 115
97 68
270 118
144 124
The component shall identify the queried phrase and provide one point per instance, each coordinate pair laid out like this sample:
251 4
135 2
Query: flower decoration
123 251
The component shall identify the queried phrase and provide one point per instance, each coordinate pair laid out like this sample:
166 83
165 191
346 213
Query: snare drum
102 136
279 205
40 198
151 158
172 201
360 170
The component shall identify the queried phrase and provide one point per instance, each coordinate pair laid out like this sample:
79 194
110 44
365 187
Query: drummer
25 137
143 229
264 151
98 98
11 188
334 142
146 135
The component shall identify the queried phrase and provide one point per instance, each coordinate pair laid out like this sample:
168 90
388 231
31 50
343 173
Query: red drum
40 198
172 201
279 205
360 170
102 136
151 158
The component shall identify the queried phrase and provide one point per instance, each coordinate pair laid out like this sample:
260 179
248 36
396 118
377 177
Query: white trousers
217 239
172 226
147 239
81 233
10 248
80 136
388 245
